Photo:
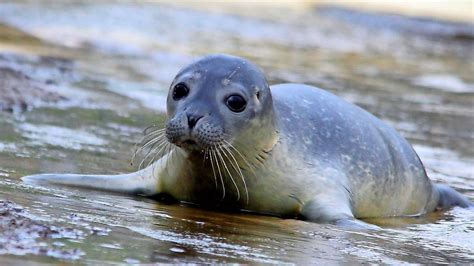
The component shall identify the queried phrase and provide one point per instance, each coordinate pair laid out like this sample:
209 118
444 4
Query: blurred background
80 80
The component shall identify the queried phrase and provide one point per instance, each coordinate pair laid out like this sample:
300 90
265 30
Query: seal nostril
193 119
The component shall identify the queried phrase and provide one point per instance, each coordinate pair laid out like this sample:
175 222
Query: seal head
216 100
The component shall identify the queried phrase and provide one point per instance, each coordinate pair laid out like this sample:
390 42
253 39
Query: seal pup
290 150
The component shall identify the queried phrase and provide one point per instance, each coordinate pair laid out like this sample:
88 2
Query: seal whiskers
157 144
251 166
171 153
153 151
219 152
161 152
220 174
150 139
236 167
212 164
169 150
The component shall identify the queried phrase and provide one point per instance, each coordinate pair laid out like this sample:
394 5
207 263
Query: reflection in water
113 70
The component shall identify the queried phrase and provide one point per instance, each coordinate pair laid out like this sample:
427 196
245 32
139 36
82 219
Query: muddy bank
21 92
20 234
18 92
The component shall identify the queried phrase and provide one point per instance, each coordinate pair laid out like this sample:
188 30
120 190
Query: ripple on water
75 139
444 82
207 244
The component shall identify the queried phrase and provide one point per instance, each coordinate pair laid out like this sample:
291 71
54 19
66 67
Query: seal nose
193 119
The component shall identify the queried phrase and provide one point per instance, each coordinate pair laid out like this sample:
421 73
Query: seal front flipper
335 209
144 182
334 212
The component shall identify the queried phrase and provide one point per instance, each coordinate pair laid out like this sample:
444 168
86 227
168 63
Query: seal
291 150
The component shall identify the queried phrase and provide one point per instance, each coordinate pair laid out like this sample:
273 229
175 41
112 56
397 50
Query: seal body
291 150
337 146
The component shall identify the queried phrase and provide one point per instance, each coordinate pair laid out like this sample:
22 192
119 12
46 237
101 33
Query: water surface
112 65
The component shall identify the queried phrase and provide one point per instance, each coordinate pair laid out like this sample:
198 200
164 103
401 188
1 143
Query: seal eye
236 103
180 91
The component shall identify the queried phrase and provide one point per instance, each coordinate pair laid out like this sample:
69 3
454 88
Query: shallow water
113 70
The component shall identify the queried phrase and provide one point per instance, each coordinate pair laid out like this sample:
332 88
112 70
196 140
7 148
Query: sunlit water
117 62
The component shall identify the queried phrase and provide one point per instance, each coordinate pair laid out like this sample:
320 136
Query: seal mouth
190 142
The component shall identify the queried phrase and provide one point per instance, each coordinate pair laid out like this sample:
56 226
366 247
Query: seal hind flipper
448 197
144 182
